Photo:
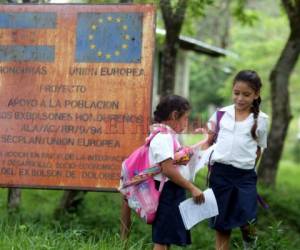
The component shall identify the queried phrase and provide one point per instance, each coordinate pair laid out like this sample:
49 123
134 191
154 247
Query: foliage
195 12
258 47
205 83
244 15
260 52
296 151
210 84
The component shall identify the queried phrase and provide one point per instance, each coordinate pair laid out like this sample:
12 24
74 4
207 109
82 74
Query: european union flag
27 20
109 37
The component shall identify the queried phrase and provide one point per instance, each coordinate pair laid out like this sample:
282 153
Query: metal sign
75 92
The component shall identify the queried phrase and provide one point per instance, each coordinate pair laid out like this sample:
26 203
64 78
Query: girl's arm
209 133
171 172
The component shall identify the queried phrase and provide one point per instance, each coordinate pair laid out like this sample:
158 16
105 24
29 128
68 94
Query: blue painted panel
27 53
28 20
109 37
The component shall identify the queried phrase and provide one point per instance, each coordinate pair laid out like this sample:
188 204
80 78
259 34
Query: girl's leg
160 247
222 240
249 236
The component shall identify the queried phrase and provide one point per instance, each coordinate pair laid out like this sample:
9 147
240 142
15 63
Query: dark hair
252 79
169 104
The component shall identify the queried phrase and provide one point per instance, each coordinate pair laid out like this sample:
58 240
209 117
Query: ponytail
255 111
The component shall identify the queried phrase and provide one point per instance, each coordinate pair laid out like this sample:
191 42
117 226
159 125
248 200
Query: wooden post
13 199
125 220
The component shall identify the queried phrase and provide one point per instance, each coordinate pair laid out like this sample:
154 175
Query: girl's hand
208 131
172 173
197 195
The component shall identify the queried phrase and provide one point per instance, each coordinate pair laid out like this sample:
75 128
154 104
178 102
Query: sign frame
27 112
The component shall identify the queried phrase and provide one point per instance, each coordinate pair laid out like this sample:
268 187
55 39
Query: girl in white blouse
168 228
240 139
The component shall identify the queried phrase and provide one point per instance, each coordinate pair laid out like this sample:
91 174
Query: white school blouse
162 148
235 145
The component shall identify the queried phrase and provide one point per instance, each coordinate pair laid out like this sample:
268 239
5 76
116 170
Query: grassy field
96 225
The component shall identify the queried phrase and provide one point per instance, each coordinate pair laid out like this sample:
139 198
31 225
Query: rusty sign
75 92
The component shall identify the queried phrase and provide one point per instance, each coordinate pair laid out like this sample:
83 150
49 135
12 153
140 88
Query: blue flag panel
27 53
109 37
27 20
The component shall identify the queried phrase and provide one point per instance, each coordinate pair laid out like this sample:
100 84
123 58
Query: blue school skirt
236 195
168 227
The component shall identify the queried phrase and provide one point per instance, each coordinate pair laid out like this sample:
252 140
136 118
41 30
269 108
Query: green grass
95 226
97 223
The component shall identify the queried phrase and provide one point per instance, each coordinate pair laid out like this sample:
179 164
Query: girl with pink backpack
171 114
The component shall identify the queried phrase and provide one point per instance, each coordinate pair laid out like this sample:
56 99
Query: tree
173 20
70 202
279 79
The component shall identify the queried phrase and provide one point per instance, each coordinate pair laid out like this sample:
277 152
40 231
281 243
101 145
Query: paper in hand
199 160
193 213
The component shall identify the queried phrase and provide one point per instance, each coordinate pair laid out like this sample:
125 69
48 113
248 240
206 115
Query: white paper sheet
193 213
199 160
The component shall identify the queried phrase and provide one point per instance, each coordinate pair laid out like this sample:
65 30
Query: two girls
242 135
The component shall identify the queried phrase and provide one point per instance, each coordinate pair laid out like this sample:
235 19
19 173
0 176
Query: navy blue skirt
168 227
236 195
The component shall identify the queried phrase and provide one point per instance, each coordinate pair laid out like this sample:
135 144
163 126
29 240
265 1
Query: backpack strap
153 134
159 130
175 147
219 115
262 202
209 167
163 177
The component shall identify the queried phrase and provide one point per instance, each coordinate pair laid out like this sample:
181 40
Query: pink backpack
137 183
